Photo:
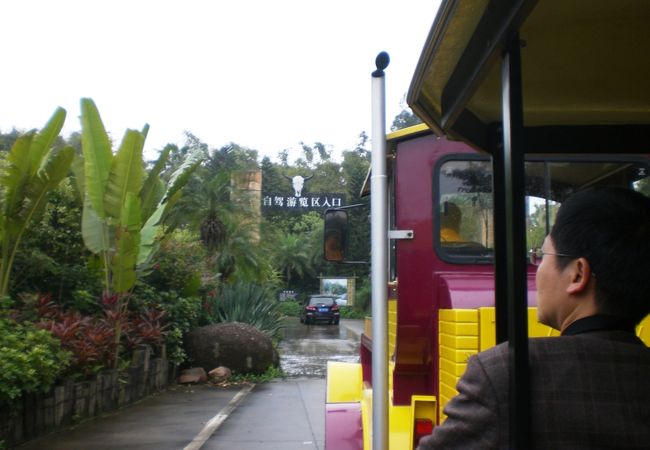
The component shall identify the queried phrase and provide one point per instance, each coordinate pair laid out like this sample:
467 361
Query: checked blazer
588 391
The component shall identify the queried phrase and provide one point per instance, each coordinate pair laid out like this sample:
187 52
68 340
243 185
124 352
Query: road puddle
305 349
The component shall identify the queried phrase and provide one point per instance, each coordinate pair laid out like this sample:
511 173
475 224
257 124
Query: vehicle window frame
392 243
548 158
437 246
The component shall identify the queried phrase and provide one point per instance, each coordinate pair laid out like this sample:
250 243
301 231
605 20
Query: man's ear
580 276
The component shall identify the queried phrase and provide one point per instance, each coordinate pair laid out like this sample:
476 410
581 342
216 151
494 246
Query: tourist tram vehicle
524 102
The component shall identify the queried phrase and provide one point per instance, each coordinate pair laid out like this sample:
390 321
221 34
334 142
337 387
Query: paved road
284 415
281 415
290 414
165 421
305 349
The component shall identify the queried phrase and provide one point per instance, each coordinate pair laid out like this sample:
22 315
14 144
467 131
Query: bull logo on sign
298 183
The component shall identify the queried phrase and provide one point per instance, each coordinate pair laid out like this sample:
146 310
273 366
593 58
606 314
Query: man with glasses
590 387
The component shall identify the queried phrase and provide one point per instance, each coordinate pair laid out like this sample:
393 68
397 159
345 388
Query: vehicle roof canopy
585 72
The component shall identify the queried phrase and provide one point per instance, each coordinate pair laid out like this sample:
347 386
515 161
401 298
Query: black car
320 307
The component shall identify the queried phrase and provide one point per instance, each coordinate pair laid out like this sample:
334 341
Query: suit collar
599 322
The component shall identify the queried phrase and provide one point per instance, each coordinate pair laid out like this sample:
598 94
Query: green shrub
246 303
30 360
53 258
290 308
178 264
182 315
271 374
349 312
362 299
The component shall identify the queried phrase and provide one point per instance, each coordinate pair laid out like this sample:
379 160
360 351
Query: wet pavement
168 420
289 414
305 349
281 415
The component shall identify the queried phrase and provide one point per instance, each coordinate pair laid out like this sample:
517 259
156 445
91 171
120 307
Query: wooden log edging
70 402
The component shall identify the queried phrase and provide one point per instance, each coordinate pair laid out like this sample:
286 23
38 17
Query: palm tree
293 255
227 233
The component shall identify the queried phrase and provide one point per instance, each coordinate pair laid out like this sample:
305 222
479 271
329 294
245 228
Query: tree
356 164
292 256
227 232
272 179
32 169
122 215
53 258
405 118
7 140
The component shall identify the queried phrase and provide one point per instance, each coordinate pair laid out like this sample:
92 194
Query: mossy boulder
238 346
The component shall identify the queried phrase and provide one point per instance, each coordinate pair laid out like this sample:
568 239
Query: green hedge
290 308
349 312
31 359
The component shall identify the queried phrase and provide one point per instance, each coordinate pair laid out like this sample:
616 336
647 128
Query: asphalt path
305 349
285 414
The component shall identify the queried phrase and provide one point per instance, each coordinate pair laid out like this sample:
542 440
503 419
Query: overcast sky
263 74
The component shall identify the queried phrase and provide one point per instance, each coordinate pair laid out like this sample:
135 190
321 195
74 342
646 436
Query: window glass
321 300
465 207
548 183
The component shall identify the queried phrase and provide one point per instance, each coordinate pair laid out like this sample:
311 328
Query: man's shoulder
615 340
606 343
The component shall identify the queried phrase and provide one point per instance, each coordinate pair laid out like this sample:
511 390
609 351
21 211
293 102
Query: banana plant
124 209
32 169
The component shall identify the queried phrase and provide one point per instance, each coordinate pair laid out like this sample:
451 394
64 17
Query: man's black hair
610 227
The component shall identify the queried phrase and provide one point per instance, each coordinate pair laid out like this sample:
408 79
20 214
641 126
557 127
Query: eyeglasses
537 255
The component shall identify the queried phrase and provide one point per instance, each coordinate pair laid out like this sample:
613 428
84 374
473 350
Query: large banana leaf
148 235
127 241
126 173
94 229
15 177
182 174
153 187
32 170
54 167
152 227
97 155
145 131
79 179
44 139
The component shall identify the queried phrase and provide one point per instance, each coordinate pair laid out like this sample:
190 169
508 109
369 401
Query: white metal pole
379 258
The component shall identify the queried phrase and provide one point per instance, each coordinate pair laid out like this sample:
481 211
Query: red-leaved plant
92 340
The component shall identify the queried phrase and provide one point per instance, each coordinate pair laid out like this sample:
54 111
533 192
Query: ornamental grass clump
246 303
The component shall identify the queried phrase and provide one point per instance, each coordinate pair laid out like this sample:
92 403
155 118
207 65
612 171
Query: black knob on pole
381 62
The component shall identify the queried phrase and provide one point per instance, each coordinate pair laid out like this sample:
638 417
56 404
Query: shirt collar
599 322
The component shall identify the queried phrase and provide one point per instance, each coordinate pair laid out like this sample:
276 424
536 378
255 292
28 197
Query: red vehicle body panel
425 282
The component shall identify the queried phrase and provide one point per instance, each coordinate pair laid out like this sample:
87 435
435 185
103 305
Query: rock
239 346
219 374
193 375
